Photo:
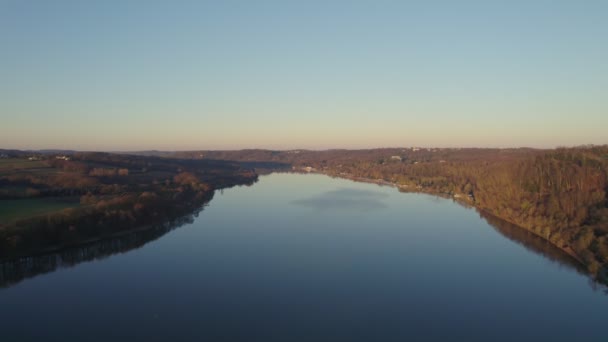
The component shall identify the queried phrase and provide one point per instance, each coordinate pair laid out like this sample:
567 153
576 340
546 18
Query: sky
180 75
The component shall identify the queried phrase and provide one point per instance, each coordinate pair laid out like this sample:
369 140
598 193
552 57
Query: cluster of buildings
416 149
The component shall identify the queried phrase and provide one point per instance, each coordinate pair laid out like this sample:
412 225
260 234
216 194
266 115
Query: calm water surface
310 258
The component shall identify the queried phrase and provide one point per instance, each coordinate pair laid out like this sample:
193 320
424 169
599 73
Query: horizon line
299 149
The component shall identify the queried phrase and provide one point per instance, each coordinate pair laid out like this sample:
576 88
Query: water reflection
15 270
538 245
532 242
348 199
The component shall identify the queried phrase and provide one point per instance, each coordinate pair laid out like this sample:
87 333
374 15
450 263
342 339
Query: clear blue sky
128 75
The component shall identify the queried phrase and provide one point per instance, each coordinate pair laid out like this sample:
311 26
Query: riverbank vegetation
559 194
50 201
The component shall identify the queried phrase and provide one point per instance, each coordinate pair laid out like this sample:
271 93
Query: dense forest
558 194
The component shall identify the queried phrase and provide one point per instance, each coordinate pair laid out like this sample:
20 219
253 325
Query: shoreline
460 200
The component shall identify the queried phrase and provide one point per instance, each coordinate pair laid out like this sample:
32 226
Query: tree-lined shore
104 195
558 194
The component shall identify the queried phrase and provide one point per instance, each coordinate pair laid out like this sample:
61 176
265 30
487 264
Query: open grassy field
11 210
13 166
12 163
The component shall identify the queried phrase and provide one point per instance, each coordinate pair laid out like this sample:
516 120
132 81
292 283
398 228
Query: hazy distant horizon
114 75
300 148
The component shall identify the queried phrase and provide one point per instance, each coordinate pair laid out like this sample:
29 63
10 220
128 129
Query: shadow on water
540 246
15 270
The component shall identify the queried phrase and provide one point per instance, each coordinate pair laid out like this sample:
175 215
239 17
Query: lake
308 258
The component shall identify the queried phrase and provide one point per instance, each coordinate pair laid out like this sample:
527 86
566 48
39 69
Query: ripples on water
346 199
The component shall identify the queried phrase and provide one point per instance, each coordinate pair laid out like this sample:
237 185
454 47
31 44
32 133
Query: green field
20 164
24 166
11 210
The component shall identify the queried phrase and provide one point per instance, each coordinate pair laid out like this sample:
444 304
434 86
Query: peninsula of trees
49 201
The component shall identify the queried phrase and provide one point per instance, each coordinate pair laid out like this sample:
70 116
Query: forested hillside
558 194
